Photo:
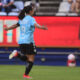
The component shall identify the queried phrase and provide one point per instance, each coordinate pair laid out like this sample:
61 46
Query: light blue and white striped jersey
26 30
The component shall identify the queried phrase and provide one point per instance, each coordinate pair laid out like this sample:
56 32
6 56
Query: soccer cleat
27 76
13 54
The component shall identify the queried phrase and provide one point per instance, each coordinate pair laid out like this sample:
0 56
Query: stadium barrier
40 59
63 35
62 32
46 56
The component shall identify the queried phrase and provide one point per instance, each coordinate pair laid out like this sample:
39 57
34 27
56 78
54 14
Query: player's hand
5 6
6 28
44 27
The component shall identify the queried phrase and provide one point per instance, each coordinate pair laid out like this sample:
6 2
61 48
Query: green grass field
15 72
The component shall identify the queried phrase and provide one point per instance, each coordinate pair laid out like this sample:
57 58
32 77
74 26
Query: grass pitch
15 72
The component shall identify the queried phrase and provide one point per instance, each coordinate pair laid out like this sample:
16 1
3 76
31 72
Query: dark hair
26 10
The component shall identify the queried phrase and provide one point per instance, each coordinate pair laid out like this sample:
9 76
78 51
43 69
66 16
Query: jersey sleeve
33 21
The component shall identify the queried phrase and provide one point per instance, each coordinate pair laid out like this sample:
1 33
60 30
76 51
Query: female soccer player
26 42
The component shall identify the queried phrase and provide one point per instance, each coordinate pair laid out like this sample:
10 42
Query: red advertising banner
62 32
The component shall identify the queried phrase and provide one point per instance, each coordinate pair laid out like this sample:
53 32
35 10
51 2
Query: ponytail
26 10
22 14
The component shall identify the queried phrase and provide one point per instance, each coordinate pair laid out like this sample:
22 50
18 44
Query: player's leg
29 65
18 55
31 52
21 55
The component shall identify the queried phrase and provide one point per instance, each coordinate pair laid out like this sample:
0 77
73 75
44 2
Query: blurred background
58 46
54 45
42 7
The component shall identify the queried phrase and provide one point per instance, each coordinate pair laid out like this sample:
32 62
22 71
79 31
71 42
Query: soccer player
26 42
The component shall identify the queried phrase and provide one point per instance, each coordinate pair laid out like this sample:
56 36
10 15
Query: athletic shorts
28 49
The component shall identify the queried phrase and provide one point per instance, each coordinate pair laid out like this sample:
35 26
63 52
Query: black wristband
18 24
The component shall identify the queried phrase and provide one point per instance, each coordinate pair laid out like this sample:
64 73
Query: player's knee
31 59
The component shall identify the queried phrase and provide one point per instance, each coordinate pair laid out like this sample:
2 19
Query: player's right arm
40 27
33 22
12 27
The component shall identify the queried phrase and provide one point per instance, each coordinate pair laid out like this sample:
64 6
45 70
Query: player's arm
77 9
11 27
72 7
40 27
9 4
